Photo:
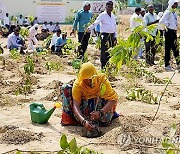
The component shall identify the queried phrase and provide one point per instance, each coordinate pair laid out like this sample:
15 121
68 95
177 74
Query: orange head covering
81 90
87 71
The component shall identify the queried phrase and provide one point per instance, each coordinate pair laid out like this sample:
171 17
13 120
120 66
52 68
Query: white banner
98 7
3 9
48 12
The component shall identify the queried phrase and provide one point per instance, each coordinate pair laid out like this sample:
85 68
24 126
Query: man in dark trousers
169 19
151 18
83 17
108 32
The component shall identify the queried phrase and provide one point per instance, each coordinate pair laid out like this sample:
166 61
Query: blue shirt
81 20
60 42
14 41
97 29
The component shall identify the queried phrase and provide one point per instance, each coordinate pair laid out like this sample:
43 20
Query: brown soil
13 135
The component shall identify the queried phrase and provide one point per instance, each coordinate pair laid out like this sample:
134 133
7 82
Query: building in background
47 10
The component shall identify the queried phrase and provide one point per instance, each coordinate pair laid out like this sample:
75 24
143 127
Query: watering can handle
38 105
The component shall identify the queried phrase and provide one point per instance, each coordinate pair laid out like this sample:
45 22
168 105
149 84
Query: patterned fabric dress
87 106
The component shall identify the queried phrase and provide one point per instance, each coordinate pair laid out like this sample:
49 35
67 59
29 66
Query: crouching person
91 98
32 37
15 41
55 36
61 41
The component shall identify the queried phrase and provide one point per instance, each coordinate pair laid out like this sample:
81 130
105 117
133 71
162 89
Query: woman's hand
95 115
89 126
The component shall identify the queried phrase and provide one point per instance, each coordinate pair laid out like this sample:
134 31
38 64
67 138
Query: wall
28 7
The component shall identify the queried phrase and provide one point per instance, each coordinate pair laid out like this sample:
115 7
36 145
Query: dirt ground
126 135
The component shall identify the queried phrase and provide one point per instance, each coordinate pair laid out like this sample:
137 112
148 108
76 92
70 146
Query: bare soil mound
53 96
55 84
13 135
7 100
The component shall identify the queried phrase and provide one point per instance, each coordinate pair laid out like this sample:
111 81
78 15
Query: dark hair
109 3
58 31
17 29
138 9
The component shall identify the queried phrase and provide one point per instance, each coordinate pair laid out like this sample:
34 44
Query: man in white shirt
13 23
134 20
26 22
35 21
20 20
56 27
151 18
169 19
7 21
108 32
143 11
15 41
50 27
44 27
55 36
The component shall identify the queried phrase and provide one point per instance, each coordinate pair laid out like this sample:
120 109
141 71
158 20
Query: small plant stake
163 95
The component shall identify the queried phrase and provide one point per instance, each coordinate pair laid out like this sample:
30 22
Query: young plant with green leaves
72 147
46 43
169 143
69 47
76 63
27 85
50 65
24 33
31 19
29 66
141 94
14 54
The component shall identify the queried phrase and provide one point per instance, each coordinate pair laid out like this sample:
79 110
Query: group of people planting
91 101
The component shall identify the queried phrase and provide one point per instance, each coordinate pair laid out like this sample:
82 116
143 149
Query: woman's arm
78 113
108 107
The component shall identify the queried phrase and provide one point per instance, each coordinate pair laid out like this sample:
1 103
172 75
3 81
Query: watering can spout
48 114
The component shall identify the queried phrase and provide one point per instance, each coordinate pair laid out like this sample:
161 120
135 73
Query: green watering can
39 114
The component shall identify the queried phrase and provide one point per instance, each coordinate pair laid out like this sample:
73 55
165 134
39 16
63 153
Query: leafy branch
141 94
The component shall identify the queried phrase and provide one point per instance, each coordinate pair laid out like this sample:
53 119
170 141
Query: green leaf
170 151
103 89
18 152
60 152
76 63
63 142
167 144
172 131
133 95
1 50
73 145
